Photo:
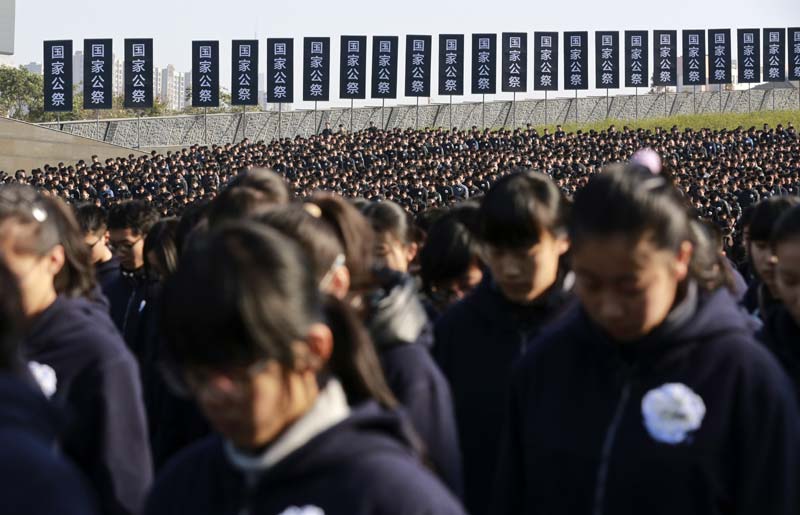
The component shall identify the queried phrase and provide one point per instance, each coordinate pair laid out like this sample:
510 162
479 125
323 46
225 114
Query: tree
21 94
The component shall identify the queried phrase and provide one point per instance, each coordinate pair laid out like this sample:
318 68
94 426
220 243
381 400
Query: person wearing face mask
650 396
91 376
522 232
291 384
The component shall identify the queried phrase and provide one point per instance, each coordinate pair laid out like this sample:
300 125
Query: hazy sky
174 24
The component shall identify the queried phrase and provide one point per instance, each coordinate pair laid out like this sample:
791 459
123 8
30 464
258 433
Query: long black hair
244 292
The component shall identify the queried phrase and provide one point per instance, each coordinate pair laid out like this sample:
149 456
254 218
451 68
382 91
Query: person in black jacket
292 385
650 396
128 225
395 318
781 333
92 220
522 230
36 480
94 377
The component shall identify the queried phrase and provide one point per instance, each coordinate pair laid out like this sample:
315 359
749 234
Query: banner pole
694 99
315 117
205 125
748 97
138 129
545 108
576 107
58 120
483 110
720 98
416 123
608 108
351 116
666 115
514 111
798 94
244 122
383 106
637 104
97 122
451 112
280 126
773 98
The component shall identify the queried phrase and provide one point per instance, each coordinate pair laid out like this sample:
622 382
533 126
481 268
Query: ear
339 285
411 251
55 260
320 343
562 245
683 259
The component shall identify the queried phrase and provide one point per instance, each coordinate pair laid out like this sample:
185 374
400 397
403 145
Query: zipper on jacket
608 445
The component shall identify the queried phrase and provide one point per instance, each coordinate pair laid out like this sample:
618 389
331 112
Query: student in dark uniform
781 332
290 382
92 220
523 233
651 395
95 378
34 478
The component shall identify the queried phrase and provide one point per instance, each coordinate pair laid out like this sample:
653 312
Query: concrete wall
179 131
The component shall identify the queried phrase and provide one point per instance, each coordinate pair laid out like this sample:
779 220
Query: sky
173 24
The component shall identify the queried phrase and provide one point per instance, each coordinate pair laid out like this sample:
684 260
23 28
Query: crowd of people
407 322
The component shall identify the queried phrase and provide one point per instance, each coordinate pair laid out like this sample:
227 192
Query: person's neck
107 256
40 304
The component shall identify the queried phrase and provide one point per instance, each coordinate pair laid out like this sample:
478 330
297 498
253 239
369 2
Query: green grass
698 121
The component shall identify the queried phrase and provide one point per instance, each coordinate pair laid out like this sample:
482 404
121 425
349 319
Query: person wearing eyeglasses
83 364
94 227
128 224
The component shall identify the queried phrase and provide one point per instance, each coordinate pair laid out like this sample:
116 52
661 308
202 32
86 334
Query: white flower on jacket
671 412
45 377
305 510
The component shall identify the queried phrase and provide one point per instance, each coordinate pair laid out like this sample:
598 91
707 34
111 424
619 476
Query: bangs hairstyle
787 228
451 246
389 217
244 292
630 201
47 222
520 208
766 214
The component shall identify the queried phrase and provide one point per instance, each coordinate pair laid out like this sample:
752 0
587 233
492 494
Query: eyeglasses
200 382
120 246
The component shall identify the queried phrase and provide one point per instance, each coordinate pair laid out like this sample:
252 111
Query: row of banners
715 46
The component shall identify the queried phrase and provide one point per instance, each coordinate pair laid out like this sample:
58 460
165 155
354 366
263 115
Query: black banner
794 53
451 64
719 60
58 76
316 69
545 61
484 64
637 59
98 69
205 73
353 67
418 66
384 66
280 70
774 55
606 48
514 62
694 57
749 55
138 73
666 57
244 72
576 60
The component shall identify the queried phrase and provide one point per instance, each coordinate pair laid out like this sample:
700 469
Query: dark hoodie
781 335
362 465
403 336
127 295
588 427
98 386
477 342
35 480
108 273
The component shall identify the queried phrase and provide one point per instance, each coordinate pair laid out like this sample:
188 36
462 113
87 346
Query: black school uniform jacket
98 386
781 336
34 479
360 466
477 342
696 418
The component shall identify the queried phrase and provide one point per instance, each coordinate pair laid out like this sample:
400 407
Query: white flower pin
45 377
671 412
